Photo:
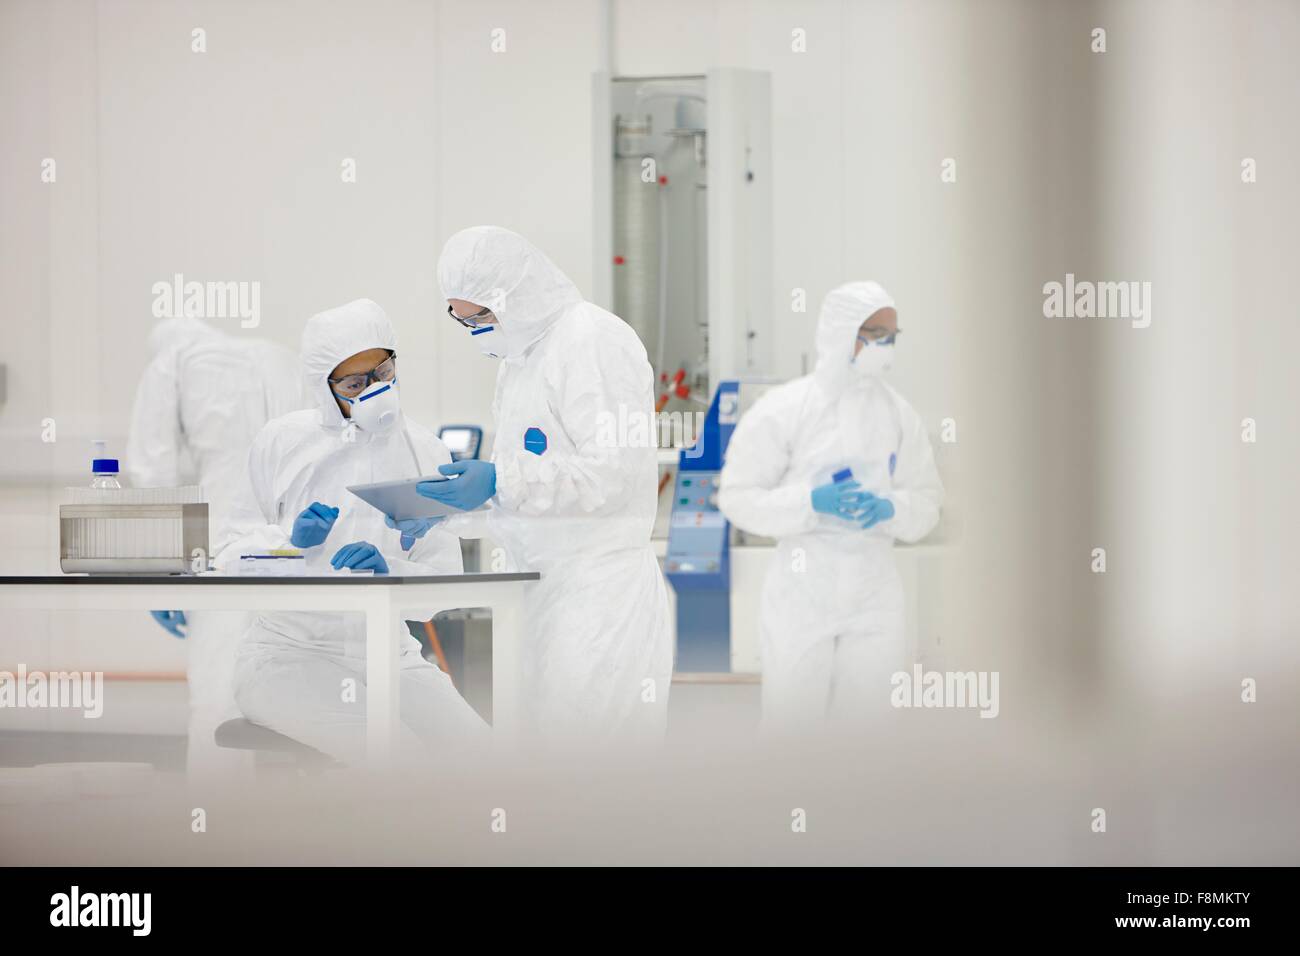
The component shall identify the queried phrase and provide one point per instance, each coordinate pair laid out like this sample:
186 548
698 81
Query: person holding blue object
563 497
839 499
292 666
836 466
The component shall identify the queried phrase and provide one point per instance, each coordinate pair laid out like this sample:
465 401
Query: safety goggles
878 336
470 321
350 386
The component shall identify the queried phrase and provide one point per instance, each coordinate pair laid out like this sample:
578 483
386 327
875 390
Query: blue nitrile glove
476 484
839 499
874 510
171 621
312 527
360 556
411 528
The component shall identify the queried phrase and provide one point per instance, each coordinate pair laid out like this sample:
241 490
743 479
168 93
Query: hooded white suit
580 510
832 604
292 666
200 403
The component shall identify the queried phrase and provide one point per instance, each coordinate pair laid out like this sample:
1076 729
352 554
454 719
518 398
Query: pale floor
146 720
929 788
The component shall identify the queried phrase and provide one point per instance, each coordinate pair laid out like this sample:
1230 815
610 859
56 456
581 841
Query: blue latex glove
411 528
312 527
875 510
359 556
171 621
839 499
476 484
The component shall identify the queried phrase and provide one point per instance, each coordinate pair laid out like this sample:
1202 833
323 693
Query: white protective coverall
202 400
292 666
598 655
832 602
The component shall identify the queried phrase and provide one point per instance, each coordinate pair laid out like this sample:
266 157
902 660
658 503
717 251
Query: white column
382 688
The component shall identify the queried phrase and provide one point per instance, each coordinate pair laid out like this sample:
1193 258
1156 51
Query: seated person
302 674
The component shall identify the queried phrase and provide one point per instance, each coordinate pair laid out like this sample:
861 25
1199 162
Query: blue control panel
698 560
697 535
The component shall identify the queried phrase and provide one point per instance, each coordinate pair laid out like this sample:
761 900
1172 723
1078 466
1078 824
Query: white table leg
382 676
507 635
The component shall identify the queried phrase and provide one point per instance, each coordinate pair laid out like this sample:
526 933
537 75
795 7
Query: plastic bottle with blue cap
103 470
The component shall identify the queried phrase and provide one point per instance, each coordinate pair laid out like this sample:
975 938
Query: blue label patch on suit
893 460
535 440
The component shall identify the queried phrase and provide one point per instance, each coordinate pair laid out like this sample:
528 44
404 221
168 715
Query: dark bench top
217 580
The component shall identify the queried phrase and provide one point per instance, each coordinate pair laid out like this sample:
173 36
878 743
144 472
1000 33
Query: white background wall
226 166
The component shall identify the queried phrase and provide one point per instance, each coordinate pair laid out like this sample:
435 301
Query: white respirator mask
376 409
874 360
491 341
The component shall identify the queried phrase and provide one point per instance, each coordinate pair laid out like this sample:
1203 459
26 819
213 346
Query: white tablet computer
400 499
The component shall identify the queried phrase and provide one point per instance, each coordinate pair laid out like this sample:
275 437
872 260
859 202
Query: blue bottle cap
103 466
844 474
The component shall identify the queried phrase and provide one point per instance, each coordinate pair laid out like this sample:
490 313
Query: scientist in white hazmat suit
201 401
836 466
294 669
565 497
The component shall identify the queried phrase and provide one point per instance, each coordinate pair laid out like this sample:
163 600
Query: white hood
337 334
500 269
843 311
173 333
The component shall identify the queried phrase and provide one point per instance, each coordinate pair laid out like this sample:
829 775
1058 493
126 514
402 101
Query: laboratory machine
463 441
683 253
